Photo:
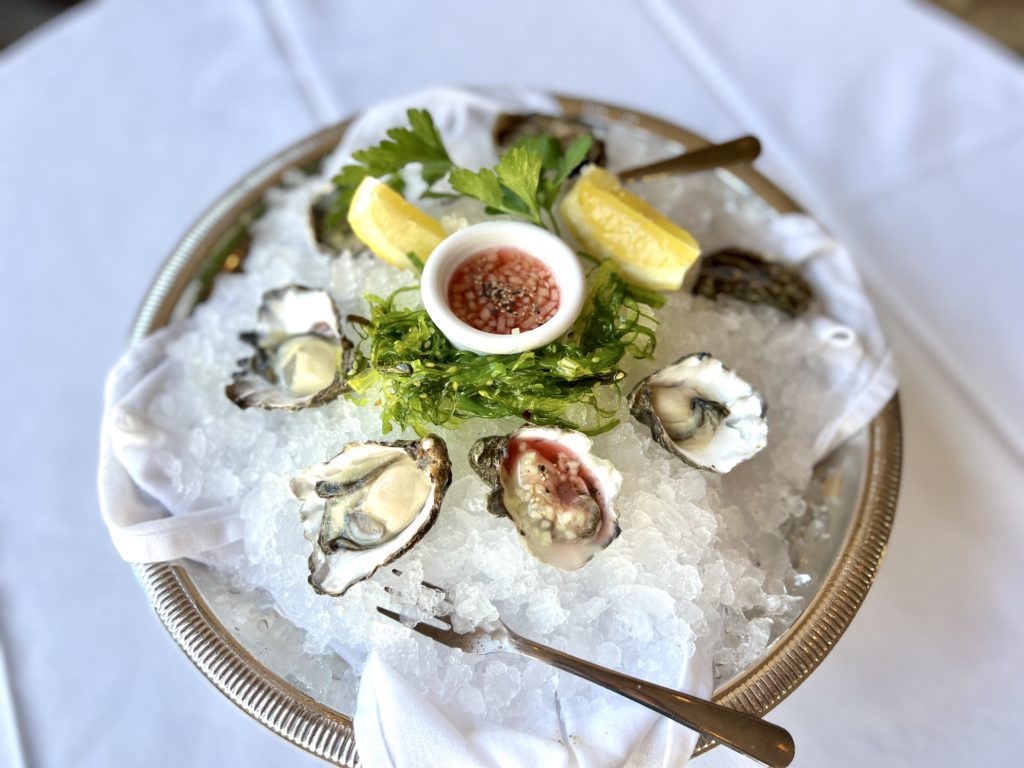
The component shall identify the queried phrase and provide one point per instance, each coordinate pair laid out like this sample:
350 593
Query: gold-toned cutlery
742 150
744 733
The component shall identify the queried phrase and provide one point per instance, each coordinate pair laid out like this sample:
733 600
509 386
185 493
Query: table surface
902 130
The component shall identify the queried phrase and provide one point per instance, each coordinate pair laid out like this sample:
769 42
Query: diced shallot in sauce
503 290
559 493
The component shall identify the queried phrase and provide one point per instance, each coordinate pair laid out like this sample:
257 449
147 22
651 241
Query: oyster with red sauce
557 493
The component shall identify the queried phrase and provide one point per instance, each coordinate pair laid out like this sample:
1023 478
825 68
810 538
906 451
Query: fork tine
390 614
436 588
444 636
426 584
398 617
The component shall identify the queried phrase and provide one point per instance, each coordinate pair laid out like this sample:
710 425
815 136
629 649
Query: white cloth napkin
11 748
146 517
395 726
858 359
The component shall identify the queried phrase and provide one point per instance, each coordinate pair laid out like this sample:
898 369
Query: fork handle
742 150
750 735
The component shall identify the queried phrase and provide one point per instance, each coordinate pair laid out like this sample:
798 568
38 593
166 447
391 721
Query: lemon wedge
612 223
390 226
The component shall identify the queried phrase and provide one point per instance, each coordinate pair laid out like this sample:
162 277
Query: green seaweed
423 381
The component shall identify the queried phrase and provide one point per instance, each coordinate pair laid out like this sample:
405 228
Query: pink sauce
499 290
567 477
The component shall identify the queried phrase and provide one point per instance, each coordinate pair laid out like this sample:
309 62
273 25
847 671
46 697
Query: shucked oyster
753 279
301 357
368 505
557 493
510 128
701 411
333 238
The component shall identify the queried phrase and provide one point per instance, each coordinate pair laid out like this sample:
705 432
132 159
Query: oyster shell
508 128
556 492
702 412
301 358
333 240
369 505
751 278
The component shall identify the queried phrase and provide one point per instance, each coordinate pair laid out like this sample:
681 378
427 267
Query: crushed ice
700 555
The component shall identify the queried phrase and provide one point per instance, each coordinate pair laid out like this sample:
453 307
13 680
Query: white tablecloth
903 131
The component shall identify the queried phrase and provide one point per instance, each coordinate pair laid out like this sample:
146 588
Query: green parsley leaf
519 172
482 185
574 155
420 143
512 187
556 166
546 146
346 182
351 175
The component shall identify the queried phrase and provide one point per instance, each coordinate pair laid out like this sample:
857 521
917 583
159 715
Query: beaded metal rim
327 733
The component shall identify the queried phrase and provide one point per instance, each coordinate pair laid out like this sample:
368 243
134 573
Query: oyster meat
301 357
369 505
702 412
753 279
556 492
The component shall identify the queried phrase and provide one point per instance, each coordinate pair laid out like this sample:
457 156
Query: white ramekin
539 243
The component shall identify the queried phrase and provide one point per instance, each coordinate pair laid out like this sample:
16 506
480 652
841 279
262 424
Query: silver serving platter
258 664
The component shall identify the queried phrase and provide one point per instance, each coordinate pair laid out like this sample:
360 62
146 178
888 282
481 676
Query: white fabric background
901 130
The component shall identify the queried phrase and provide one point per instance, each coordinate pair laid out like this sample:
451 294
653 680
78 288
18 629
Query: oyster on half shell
301 358
754 279
702 412
369 505
335 238
556 492
510 128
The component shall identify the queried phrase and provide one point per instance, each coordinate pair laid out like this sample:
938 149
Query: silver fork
747 734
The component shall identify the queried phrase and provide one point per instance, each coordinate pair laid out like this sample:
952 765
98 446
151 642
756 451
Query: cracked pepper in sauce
503 290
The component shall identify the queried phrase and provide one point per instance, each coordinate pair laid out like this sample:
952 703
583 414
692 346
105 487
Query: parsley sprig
421 379
525 182
419 143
